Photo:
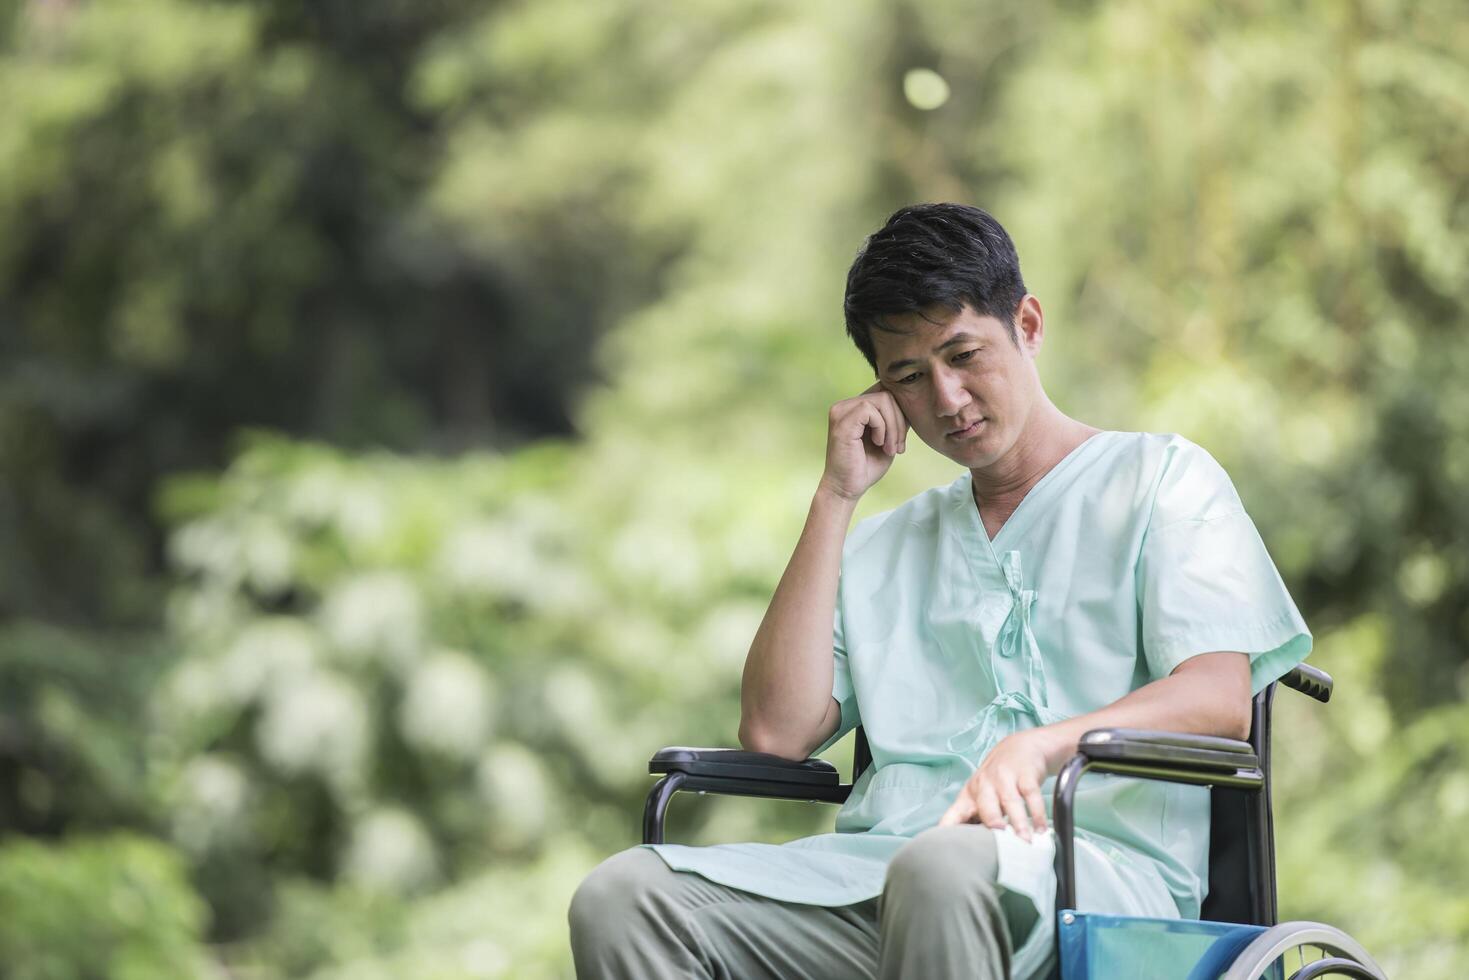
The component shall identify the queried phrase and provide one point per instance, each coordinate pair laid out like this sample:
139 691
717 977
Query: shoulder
1186 483
917 517
1126 470
1153 450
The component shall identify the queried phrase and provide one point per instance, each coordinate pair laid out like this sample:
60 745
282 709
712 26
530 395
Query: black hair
927 256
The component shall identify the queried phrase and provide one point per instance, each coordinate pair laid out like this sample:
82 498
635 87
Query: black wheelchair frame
1242 841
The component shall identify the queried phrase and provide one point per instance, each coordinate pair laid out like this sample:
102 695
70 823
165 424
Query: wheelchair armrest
739 764
1168 750
735 772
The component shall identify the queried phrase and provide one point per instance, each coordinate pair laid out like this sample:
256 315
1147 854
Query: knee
605 899
945 865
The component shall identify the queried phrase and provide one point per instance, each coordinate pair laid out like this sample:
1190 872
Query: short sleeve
1206 581
841 682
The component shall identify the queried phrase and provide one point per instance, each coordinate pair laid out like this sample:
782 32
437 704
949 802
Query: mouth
967 430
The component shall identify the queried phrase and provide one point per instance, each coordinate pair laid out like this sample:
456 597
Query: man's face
965 387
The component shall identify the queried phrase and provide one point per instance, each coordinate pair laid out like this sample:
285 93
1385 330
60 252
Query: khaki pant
940 915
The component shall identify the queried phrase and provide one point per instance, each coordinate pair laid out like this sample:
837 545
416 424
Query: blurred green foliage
406 411
117 906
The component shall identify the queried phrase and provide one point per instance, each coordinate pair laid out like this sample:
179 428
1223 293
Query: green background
406 410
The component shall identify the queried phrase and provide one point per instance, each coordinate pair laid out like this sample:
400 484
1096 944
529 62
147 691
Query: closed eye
960 357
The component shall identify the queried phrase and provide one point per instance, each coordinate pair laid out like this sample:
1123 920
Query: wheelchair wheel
1293 945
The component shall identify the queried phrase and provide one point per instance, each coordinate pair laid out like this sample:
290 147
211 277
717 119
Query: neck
1048 437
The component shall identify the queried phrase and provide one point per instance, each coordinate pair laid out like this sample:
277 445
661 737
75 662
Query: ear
1030 325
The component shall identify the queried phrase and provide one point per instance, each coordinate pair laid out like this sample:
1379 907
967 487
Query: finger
1016 815
1035 804
874 421
960 811
885 406
898 421
899 424
889 427
987 805
893 420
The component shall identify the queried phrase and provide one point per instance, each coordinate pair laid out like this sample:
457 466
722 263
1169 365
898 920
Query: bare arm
1208 694
786 707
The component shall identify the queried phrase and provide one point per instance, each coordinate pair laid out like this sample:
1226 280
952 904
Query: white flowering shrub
460 672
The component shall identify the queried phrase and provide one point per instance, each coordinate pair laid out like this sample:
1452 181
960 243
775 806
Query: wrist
829 494
1058 745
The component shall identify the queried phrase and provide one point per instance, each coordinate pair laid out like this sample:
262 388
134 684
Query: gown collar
1034 499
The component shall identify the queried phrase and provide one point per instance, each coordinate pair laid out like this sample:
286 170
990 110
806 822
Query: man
1070 579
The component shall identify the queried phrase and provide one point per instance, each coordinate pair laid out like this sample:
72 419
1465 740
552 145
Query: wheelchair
1237 938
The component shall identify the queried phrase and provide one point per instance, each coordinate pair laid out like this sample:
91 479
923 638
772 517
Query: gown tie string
1016 640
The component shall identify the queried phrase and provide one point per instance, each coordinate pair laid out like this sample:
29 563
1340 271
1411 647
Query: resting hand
1006 788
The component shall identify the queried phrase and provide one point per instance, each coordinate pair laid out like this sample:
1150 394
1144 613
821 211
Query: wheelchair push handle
1310 681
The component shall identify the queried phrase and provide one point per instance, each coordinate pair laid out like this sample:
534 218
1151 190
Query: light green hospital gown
1131 555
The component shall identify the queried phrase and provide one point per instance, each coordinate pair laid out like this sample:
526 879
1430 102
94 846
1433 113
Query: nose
949 395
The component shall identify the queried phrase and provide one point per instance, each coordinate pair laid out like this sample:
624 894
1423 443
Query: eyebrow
958 338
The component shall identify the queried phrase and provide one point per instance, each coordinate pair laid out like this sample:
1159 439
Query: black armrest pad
1167 748
739 764
1309 680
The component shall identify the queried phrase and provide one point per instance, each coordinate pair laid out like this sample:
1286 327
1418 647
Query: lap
634 899
963 856
942 867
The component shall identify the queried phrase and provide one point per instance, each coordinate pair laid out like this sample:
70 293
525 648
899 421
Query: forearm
1208 694
1212 697
786 690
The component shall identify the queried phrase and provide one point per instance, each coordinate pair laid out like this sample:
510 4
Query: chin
976 452
977 461
970 457
976 455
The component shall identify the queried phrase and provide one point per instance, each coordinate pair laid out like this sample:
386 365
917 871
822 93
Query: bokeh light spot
925 88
